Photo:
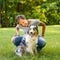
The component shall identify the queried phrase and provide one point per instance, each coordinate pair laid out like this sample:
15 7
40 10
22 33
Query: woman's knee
44 43
13 39
16 40
41 42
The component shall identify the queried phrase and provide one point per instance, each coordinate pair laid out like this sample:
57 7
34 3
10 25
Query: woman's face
23 22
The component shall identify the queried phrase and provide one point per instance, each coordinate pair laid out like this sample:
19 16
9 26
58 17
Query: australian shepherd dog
30 39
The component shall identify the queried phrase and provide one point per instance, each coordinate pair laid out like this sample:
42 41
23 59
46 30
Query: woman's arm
17 31
43 28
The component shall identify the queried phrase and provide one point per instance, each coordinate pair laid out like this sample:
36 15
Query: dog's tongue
31 35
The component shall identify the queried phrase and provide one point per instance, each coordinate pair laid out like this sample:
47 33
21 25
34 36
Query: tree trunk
0 14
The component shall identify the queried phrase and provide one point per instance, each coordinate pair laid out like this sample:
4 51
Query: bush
46 11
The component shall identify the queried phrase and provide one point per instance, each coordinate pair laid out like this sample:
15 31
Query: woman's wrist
42 34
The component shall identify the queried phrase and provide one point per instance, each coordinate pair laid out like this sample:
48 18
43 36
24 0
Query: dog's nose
31 32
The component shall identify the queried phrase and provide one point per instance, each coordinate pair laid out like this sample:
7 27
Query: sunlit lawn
50 52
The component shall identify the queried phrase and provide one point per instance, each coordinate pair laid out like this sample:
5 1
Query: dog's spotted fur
30 40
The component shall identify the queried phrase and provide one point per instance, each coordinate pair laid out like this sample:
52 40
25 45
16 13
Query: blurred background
47 11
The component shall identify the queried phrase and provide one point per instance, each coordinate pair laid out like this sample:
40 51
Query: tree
47 11
0 12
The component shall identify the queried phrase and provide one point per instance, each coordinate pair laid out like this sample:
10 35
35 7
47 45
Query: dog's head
33 30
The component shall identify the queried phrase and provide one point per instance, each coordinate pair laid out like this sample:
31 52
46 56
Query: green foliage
47 11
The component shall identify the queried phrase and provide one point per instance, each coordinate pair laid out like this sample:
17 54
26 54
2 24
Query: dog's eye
33 28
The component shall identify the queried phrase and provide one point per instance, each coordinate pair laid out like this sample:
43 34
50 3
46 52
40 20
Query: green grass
50 52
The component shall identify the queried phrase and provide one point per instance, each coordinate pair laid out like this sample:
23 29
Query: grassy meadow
50 52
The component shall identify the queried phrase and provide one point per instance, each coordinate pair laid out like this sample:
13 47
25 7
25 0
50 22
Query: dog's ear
37 29
36 26
28 29
30 26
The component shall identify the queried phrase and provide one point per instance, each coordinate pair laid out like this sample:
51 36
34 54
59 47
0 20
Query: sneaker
18 52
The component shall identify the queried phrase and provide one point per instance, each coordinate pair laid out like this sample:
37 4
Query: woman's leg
17 40
41 43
